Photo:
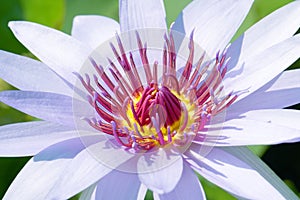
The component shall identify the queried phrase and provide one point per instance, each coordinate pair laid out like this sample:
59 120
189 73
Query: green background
283 159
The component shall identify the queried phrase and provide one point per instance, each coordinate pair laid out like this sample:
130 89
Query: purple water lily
149 118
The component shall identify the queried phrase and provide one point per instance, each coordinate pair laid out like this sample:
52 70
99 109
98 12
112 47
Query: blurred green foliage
46 12
59 14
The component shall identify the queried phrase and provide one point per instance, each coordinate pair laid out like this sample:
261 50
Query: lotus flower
154 115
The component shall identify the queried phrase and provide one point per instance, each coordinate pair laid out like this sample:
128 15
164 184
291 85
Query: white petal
160 178
87 168
42 172
29 138
188 187
258 127
136 14
28 74
281 24
89 193
215 22
156 196
62 53
244 175
142 192
118 185
260 69
47 106
94 30
284 91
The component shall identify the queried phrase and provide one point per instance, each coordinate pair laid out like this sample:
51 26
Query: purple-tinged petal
29 138
257 127
162 175
188 187
28 74
94 30
215 22
260 69
286 80
281 24
62 53
244 176
118 185
43 171
87 168
136 14
245 155
284 91
47 106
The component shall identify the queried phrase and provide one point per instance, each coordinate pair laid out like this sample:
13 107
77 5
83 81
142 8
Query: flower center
159 115
169 110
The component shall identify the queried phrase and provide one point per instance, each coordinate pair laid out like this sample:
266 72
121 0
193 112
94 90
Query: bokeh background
58 14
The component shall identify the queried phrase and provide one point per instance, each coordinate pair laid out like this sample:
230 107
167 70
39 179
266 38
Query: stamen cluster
160 112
